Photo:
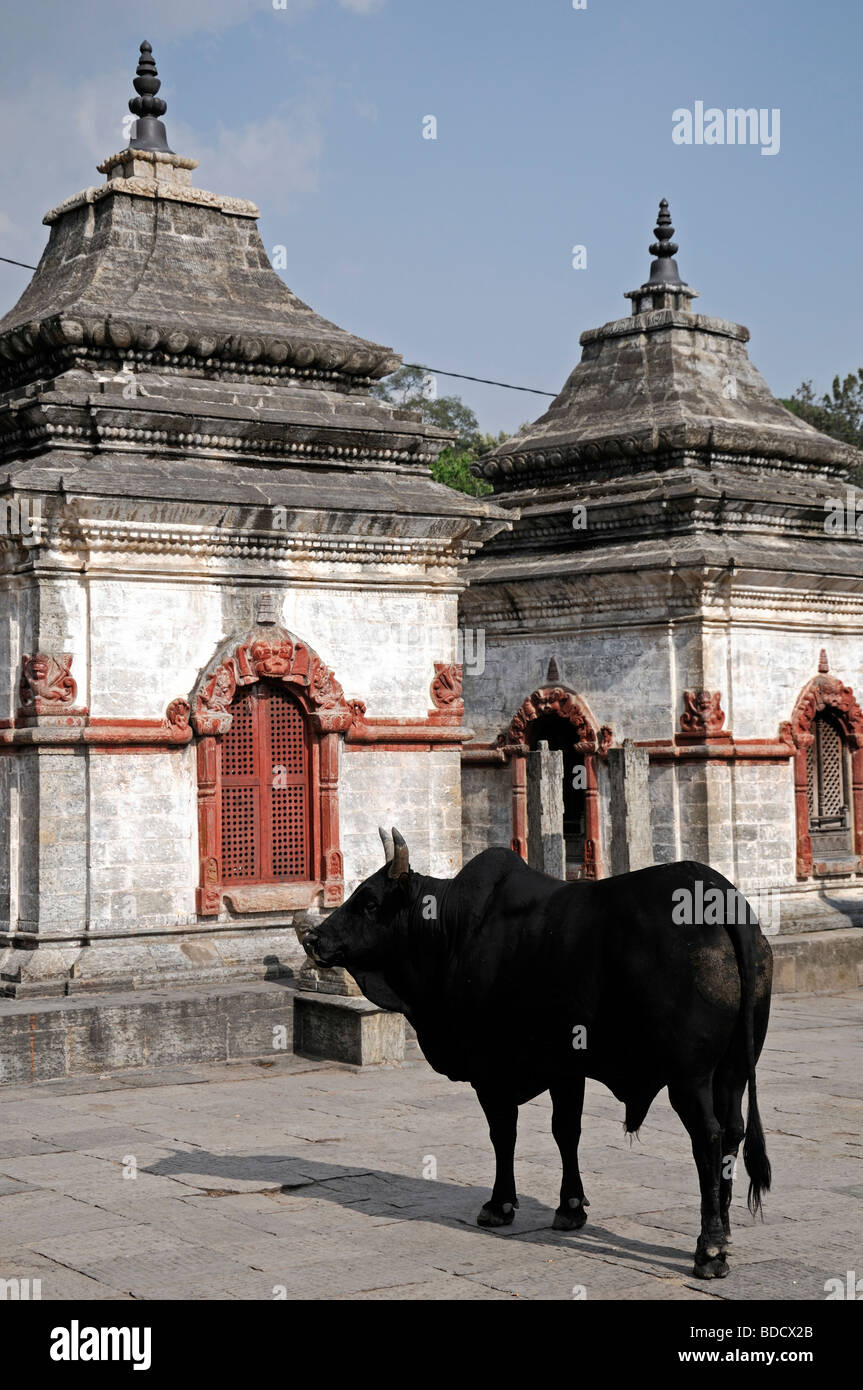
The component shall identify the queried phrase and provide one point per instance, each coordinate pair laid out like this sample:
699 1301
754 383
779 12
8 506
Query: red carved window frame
274 656
825 693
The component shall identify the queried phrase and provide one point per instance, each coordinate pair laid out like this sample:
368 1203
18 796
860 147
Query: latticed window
265 789
827 778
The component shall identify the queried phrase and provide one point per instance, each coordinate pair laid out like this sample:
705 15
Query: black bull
520 984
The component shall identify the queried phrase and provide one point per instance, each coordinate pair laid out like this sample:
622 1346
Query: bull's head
360 932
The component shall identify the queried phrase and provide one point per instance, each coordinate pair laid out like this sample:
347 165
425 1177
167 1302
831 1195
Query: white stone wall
419 792
144 837
765 839
770 665
624 678
486 808
382 642
151 640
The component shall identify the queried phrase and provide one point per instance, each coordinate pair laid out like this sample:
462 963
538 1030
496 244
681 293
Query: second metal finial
149 132
664 267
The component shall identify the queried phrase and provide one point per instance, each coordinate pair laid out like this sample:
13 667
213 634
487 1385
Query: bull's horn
387 842
401 860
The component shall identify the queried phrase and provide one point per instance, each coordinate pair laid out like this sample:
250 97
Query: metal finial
663 231
150 133
664 268
664 288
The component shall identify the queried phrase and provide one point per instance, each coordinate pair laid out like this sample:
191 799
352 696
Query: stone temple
241 626
229 613
676 576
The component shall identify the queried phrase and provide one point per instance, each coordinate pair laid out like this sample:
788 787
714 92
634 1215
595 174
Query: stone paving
296 1179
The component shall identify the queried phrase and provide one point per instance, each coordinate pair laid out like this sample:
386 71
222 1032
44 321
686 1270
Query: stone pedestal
545 844
347 1030
334 1020
631 845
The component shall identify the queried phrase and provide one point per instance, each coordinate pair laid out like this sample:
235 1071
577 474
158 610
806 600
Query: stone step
75 1035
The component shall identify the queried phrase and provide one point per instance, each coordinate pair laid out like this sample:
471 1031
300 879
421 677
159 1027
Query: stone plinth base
824 962
821 907
342 1029
67 1037
149 960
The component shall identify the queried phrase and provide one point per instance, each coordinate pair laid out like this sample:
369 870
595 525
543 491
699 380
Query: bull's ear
401 858
387 842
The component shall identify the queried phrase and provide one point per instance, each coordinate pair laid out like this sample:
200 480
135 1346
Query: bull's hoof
714 1267
571 1217
497 1215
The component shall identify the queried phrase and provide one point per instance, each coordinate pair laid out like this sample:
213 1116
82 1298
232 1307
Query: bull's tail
745 937
755 1152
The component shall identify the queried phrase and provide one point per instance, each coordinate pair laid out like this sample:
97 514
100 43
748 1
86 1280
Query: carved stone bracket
48 688
446 692
703 716
177 719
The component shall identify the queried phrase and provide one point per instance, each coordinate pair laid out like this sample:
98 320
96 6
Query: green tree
408 389
839 414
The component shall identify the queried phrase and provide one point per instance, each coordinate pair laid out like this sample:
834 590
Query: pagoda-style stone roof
661 386
664 454
148 262
157 354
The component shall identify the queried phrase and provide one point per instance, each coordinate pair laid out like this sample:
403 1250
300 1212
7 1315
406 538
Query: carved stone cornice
231 545
686 501
646 450
77 338
153 188
650 591
48 434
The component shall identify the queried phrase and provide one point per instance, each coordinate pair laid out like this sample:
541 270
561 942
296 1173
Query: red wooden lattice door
265 789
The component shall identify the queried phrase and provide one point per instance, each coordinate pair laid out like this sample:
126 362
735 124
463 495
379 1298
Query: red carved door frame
591 742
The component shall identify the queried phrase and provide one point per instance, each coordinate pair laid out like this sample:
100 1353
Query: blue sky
554 129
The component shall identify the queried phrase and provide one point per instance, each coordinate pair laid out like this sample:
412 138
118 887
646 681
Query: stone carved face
702 703
272 659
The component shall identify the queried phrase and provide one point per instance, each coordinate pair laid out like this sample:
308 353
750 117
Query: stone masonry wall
110 839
